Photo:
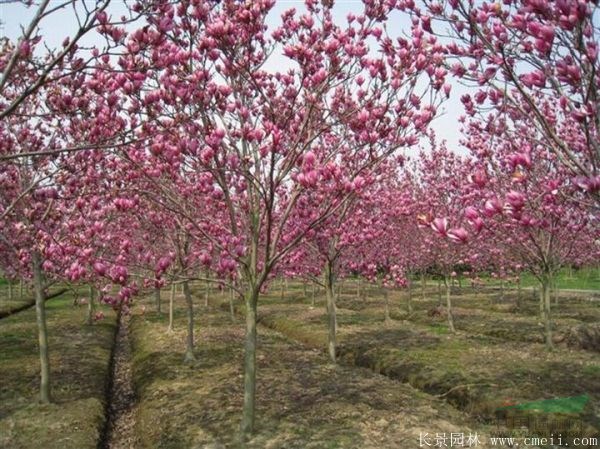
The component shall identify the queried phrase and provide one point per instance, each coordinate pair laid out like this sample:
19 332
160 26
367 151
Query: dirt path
121 416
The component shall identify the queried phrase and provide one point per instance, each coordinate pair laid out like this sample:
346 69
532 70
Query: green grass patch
8 305
587 278
439 329
575 404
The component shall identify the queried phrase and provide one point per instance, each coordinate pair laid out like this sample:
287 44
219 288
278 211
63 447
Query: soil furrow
121 401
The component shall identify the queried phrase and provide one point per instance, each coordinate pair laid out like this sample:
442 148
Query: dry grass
302 401
493 358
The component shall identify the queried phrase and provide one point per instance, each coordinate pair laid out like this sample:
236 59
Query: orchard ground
395 381
79 360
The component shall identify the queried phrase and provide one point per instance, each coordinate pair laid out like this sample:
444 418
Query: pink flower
522 159
471 213
478 178
102 17
478 224
458 235
440 225
534 79
207 154
205 258
99 268
163 264
309 159
492 207
25 48
515 199
319 77
589 185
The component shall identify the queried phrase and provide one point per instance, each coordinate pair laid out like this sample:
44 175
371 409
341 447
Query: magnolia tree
252 143
381 258
532 210
415 250
330 249
54 107
522 57
167 250
442 188
26 68
60 230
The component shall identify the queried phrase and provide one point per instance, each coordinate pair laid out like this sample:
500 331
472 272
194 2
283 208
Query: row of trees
171 153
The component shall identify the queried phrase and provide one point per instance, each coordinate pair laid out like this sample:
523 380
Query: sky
14 17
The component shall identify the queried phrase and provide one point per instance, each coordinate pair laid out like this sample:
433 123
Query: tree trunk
251 300
189 342
519 292
231 306
314 294
206 293
21 289
545 297
386 297
40 312
358 288
157 299
449 305
171 301
282 296
304 289
439 292
423 286
91 306
329 279
10 290
409 298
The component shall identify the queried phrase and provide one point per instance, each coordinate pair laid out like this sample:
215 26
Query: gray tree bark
251 300
386 297
409 298
206 293
546 305
329 281
40 313
231 306
171 301
157 300
449 305
189 341
91 306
